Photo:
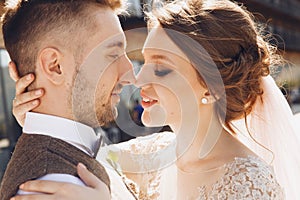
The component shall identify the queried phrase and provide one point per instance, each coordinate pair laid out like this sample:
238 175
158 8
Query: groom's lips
115 97
147 101
116 92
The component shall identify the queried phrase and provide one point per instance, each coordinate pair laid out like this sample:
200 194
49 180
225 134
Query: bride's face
169 84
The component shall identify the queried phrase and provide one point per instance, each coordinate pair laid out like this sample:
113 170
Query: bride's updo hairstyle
231 38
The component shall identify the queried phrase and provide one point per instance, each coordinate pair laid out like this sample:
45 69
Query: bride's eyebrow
161 57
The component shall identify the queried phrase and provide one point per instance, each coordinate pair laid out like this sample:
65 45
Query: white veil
271 124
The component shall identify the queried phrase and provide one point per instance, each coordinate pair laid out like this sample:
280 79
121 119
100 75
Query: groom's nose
145 76
126 74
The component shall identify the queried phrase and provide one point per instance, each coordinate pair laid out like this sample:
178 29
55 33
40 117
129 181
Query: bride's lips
147 101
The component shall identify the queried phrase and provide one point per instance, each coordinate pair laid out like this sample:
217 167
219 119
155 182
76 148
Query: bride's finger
89 178
42 186
23 83
33 197
24 108
20 110
13 72
27 97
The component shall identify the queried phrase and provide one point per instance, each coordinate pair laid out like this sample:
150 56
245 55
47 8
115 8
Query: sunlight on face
167 80
96 86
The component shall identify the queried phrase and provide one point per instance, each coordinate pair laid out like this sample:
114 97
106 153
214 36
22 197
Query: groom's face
105 69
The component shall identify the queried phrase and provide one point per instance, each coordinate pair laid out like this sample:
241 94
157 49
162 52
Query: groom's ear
49 60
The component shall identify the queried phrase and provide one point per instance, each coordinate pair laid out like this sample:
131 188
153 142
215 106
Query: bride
206 75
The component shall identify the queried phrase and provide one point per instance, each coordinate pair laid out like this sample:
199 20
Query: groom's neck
55 103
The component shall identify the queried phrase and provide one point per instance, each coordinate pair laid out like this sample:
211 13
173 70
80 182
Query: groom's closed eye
114 56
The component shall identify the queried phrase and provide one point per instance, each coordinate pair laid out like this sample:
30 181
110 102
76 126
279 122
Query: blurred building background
282 17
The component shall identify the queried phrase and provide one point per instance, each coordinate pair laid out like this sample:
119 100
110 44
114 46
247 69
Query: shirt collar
75 133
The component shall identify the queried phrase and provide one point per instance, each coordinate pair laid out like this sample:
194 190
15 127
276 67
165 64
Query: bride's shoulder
140 161
248 177
146 153
148 144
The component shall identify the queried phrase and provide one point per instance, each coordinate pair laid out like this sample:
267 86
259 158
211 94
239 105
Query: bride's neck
204 144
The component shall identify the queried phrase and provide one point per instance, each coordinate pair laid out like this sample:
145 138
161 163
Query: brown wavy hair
232 39
27 23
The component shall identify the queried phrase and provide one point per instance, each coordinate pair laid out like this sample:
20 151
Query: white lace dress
152 157
245 178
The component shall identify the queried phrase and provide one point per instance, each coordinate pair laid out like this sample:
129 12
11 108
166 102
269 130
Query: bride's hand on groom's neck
24 101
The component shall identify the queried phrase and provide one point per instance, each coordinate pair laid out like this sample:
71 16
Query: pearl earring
204 100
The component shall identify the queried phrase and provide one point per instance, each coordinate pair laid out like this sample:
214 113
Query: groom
53 39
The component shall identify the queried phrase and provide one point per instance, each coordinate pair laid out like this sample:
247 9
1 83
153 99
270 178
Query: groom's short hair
27 23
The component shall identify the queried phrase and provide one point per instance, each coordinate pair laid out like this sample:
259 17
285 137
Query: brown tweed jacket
37 155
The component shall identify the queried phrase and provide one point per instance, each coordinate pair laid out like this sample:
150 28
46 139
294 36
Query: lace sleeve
247 178
141 160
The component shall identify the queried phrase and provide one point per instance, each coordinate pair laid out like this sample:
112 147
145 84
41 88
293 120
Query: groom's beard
91 107
93 111
106 113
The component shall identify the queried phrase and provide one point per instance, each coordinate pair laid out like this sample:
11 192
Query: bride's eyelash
162 72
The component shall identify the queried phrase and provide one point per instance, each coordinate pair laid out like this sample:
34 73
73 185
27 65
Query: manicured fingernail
82 165
29 77
38 92
22 186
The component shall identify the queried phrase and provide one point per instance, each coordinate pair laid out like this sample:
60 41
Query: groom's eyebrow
119 44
